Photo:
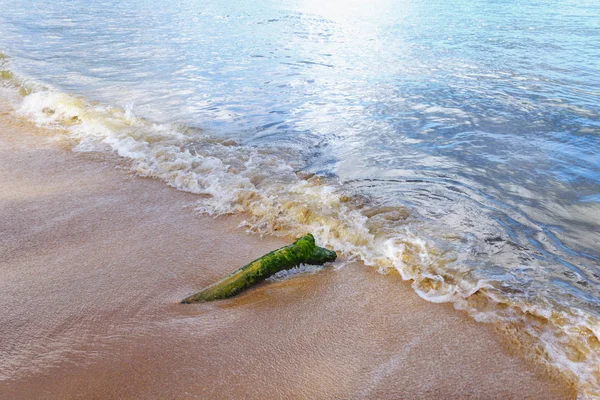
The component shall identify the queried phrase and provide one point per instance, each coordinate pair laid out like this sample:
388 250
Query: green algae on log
302 251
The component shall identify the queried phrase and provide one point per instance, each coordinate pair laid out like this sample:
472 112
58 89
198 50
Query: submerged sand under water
94 261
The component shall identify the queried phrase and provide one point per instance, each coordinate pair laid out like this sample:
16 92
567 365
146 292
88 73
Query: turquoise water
456 141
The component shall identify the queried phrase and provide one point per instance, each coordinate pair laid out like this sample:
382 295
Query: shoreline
95 260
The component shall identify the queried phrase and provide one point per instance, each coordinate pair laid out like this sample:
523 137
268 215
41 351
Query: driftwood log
302 251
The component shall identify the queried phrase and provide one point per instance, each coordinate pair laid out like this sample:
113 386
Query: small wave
293 272
278 197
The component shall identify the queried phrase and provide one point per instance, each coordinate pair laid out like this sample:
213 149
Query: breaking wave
270 187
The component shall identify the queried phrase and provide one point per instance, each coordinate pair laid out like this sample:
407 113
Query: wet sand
94 261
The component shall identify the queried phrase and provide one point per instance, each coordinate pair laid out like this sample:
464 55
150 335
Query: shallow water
458 142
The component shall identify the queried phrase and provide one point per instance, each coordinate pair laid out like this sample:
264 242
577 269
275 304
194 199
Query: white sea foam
302 269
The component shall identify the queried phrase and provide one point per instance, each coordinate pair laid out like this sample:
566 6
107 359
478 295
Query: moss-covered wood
302 251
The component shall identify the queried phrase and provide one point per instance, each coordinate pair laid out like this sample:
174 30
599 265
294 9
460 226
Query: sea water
457 142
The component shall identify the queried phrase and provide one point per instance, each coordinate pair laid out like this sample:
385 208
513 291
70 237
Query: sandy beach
94 261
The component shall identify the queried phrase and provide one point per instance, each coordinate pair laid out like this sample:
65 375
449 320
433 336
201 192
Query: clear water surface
481 118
